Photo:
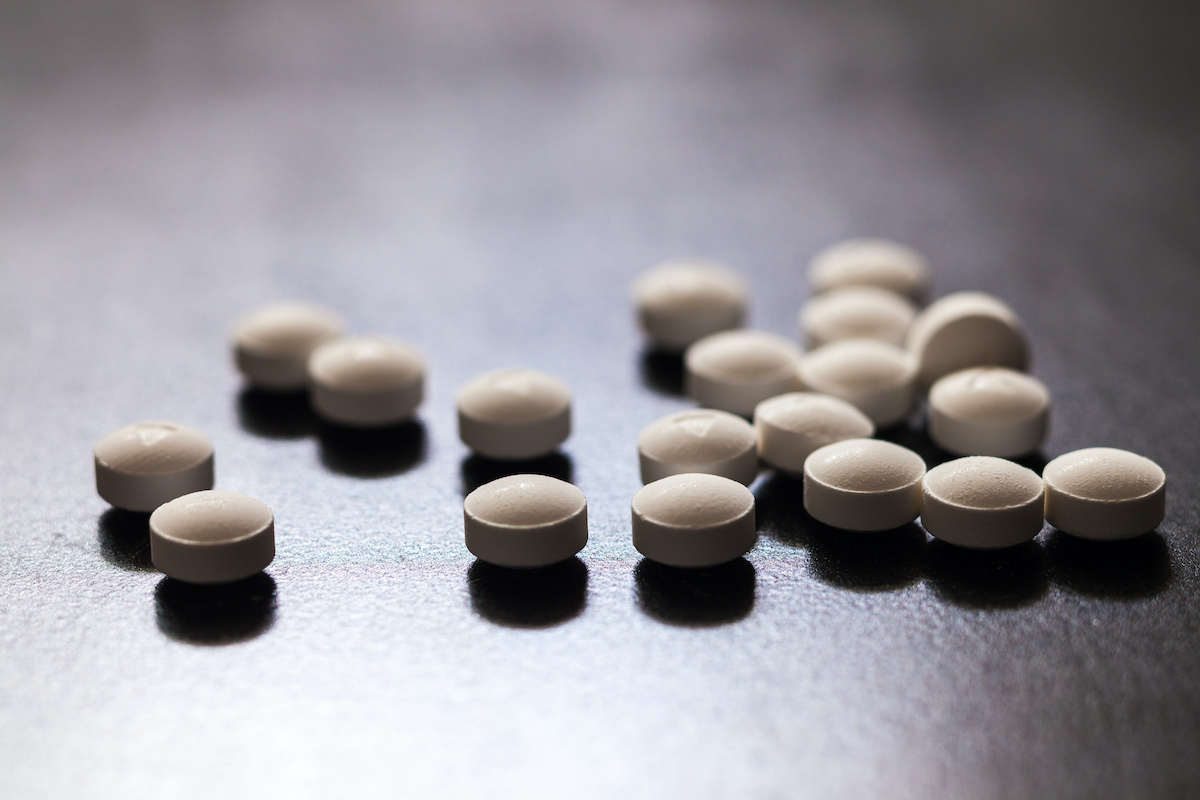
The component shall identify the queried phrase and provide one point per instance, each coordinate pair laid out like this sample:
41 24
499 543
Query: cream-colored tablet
967 329
271 344
856 312
870 262
792 425
876 377
680 302
699 440
863 485
142 466
989 411
514 414
736 370
366 381
693 520
212 537
1105 493
525 521
982 502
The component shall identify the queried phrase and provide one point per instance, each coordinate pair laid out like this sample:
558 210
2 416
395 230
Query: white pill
142 466
212 537
525 521
870 262
734 371
271 345
982 502
989 411
693 520
967 329
699 440
680 302
876 377
366 381
791 426
856 312
863 485
514 414
1105 493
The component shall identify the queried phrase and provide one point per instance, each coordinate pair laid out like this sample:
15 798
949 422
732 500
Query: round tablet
699 440
366 381
870 262
989 411
525 521
792 425
736 370
876 377
514 414
982 502
856 312
693 520
863 485
680 302
967 329
1105 493
271 344
212 537
142 466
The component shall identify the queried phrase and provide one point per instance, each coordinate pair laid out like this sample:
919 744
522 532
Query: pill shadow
779 509
1132 569
276 415
371 452
1010 577
695 598
873 561
124 538
528 598
662 372
215 615
478 470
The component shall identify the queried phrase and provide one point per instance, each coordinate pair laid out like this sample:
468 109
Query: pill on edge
966 329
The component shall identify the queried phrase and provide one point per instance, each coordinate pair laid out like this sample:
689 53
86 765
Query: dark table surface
484 179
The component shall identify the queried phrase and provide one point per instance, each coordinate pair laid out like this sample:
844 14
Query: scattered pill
693 520
680 302
856 312
212 537
514 414
736 370
982 502
870 262
366 381
699 440
989 411
1105 493
271 344
142 466
863 485
525 521
876 377
967 329
791 426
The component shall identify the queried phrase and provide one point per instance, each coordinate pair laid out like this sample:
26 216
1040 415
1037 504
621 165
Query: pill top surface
856 312
693 500
990 394
1104 474
870 262
858 364
513 396
983 482
742 356
525 501
287 329
817 416
153 448
864 465
366 364
211 517
696 436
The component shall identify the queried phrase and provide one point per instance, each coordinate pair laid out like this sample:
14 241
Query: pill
514 414
789 427
876 377
967 329
982 502
856 312
525 521
989 411
142 466
693 520
271 344
863 485
679 302
212 537
736 370
1105 493
870 262
366 381
699 440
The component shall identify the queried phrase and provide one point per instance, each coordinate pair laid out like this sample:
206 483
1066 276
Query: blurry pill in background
856 312
271 344
876 377
679 302
870 262
734 371
366 381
